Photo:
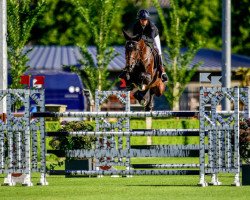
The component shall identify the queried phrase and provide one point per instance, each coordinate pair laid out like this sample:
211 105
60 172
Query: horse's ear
127 37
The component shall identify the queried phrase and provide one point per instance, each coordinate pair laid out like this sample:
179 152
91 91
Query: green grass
166 124
137 187
162 160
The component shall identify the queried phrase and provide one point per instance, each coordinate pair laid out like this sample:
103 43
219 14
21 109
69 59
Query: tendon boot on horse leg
149 106
139 95
149 100
144 80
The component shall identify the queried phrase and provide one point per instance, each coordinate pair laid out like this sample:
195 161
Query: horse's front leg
148 76
145 81
149 103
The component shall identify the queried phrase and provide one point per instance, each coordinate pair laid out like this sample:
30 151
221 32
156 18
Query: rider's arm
153 34
158 43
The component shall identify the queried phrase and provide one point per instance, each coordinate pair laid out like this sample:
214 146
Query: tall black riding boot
139 96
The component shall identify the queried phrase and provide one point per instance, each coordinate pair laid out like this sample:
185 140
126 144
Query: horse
141 71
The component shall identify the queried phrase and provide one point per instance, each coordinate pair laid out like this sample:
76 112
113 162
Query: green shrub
52 126
73 142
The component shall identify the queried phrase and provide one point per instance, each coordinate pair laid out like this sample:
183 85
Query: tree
240 27
60 25
207 21
99 16
245 76
89 72
21 17
205 24
178 66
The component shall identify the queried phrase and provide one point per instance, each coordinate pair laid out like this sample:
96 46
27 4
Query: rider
150 34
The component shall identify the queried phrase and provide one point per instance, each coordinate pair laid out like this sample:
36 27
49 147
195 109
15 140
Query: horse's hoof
143 102
142 88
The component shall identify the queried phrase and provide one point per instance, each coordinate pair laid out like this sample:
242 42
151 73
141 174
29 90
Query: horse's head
133 51
132 54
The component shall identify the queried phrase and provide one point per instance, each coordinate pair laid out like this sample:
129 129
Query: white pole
226 49
3 52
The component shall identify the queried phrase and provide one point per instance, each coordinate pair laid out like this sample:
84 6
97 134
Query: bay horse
141 71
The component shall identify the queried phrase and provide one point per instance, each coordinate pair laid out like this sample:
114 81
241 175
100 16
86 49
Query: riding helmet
143 14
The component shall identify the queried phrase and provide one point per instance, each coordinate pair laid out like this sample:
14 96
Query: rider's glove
144 37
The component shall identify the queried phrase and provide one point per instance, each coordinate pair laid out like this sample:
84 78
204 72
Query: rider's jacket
150 31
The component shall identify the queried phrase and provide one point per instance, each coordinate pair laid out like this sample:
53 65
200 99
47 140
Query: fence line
19 137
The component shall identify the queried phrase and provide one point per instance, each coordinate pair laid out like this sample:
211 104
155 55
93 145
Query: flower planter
245 150
246 174
77 164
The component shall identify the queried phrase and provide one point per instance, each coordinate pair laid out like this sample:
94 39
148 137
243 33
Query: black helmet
143 14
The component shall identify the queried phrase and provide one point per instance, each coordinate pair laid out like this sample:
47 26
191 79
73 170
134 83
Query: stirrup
164 78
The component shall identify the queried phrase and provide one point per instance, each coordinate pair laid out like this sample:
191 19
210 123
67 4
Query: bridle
132 45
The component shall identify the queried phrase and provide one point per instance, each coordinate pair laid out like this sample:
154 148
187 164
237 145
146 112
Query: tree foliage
99 16
244 73
60 25
21 17
240 27
207 22
89 72
178 62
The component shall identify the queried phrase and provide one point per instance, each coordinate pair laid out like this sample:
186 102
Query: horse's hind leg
150 103
159 89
